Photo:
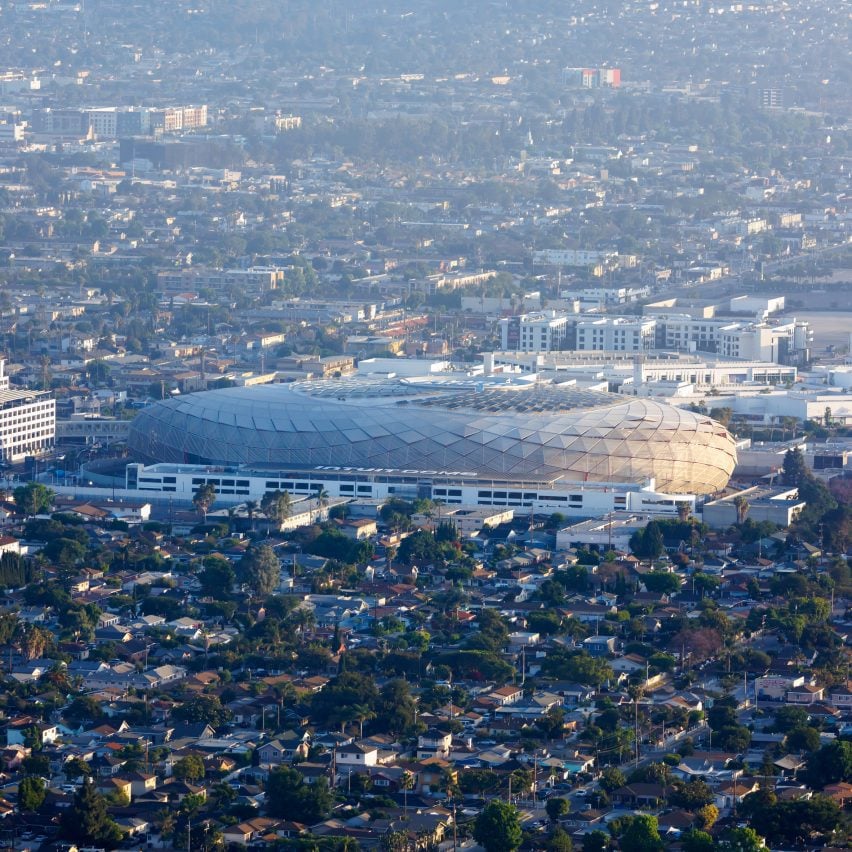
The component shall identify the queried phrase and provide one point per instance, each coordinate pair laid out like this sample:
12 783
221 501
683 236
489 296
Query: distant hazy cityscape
425 427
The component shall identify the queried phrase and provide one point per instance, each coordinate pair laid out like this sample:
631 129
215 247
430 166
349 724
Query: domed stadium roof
503 430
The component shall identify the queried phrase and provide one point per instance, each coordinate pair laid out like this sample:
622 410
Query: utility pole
636 725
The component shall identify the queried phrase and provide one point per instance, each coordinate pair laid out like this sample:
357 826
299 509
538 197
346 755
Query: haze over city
425 427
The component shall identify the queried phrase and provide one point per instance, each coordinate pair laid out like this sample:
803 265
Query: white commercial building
623 374
27 421
787 342
167 483
615 334
574 257
539 332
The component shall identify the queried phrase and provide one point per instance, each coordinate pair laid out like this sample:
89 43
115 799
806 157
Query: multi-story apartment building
615 334
27 421
255 279
783 343
544 331
574 257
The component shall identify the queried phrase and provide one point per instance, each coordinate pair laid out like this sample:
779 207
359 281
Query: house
506 695
359 529
640 795
627 664
431 774
731 793
434 743
573 694
805 694
840 792
599 646
115 785
790 764
840 697
280 751
141 783
357 755
578 762
775 687
251 830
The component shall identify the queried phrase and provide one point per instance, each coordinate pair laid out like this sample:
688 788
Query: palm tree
407 783
204 498
277 506
321 498
303 619
363 714
683 510
742 507
251 508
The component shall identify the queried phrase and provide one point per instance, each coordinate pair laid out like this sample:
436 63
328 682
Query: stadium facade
470 442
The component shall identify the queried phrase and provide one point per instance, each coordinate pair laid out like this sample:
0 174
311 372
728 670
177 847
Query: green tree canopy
289 797
87 821
189 768
33 498
260 569
217 577
832 763
203 708
31 793
641 835
498 828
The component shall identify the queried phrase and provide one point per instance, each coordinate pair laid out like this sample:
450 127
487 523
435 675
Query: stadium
532 444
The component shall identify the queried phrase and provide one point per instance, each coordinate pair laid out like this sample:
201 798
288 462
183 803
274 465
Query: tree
88 822
558 841
203 708
343 698
691 795
662 582
277 506
420 547
557 807
321 497
741 840
641 835
722 415
396 710
204 498
696 841
788 718
289 797
596 841
36 764
735 738
804 738
578 666
217 577
742 506
611 779
76 768
260 568
33 498
31 794
795 470
707 815
189 768
498 828
832 763
648 543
